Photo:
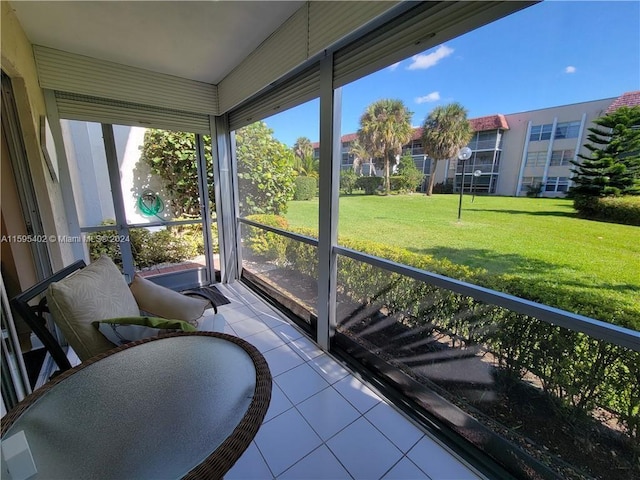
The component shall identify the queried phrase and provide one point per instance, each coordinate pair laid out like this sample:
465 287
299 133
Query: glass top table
180 405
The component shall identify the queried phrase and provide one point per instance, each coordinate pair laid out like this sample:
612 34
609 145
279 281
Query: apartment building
514 153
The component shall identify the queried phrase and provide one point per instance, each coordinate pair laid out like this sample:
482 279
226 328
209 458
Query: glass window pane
525 380
278 166
285 268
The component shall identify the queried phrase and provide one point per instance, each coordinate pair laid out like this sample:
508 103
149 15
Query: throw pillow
164 302
128 329
96 292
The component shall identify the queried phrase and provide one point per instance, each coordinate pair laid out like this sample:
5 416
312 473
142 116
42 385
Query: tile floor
324 423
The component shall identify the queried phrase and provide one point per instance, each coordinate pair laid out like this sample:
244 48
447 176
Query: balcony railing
515 378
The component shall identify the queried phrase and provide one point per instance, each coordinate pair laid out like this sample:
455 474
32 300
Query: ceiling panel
202 40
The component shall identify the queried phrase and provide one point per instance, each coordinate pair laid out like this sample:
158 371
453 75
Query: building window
528 182
536 159
541 132
557 184
567 130
484 140
561 157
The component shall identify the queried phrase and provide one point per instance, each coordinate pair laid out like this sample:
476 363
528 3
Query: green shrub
405 183
267 245
443 187
171 156
409 178
348 179
170 245
624 210
397 184
534 191
305 188
370 185
587 206
265 171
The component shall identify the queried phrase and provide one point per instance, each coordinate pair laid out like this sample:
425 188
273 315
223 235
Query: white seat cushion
97 292
164 302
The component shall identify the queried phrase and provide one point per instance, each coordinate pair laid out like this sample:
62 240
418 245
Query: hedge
370 185
624 210
172 244
348 179
305 188
577 370
267 245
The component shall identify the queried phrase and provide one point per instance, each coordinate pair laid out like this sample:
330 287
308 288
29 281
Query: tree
360 156
613 167
409 175
385 127
444 132
303 148
172 157
265 171
304 161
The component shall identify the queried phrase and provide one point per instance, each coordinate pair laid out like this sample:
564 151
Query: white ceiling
198 40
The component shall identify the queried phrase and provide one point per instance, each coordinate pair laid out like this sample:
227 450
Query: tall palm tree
385 127
360 156
303 151
444 132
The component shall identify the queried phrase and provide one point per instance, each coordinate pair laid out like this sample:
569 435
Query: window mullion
330 158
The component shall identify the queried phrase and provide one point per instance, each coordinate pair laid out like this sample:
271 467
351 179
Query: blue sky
553 53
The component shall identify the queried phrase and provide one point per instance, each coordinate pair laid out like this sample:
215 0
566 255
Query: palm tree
444 132
310 166
360 156
385 127
303 151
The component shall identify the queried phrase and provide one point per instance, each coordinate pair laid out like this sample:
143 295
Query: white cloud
394 66
431 97
570 69
428 60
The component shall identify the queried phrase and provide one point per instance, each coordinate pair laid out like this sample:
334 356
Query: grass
537 239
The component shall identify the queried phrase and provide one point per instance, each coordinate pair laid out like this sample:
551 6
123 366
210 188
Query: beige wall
515 139
18 63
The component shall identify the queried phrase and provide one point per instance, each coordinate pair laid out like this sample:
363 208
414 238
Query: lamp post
463 155
476 174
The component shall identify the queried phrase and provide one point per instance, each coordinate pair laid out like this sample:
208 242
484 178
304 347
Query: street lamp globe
464 153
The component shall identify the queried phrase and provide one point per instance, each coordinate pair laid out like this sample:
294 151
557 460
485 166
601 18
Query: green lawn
537 239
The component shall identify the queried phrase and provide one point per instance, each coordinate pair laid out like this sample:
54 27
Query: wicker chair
34 315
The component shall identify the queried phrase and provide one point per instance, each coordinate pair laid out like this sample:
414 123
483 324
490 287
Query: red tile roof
349 137
490 122
628 99
480 124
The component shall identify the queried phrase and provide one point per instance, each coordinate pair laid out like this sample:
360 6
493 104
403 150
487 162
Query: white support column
118 200
549 151
523 161
330 155
68 199
205 212
226 195
579 143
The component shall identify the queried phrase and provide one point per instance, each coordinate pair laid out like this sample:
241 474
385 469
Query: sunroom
136 129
